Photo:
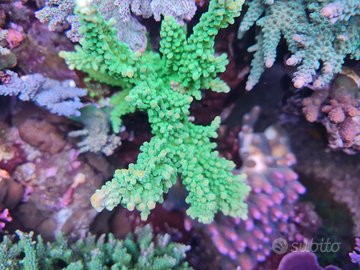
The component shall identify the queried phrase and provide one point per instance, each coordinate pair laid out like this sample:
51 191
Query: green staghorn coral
146 252
164 86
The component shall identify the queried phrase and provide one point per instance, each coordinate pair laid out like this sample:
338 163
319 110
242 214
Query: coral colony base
114 154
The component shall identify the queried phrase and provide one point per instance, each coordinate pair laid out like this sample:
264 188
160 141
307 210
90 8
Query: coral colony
129 138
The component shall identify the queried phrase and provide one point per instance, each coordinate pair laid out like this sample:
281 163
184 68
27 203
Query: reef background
48 176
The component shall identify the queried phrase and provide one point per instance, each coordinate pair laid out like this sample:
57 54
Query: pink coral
4 218
342 120
275 189
311 105
14 38
347 131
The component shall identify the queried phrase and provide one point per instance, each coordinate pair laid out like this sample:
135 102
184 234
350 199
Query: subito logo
280 246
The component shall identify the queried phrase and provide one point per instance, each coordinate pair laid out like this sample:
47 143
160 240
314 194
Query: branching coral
340 102
314 42
58 97
129 29
121 107
341 10
180 10
96 132
146 252
282 17
163 87
57 12
275 189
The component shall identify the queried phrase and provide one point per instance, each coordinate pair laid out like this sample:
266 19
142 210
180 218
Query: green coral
164 86
146 252
121 107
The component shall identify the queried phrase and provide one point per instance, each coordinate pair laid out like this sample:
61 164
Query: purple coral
58 97
354 256
301 261
4 218
275 188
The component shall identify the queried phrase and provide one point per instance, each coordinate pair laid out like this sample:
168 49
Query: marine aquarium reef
180 134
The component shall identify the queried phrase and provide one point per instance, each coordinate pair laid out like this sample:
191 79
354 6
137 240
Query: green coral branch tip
164 86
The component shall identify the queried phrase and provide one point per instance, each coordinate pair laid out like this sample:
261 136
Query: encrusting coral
164 88
302 260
